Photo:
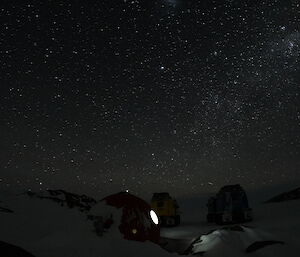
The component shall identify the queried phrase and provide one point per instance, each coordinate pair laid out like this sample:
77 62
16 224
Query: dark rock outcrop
260 244
286 196
2 209
234 228
9 250
82 202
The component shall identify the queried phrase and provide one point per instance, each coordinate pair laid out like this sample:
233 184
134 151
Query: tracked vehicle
230 205
166 208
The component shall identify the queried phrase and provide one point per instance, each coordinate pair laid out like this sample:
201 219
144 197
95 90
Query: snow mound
233 240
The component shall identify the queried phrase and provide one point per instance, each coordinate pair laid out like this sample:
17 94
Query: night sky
165 95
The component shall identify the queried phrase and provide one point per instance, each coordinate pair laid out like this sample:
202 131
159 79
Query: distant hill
286 196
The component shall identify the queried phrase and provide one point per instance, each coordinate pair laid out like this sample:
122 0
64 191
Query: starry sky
165 95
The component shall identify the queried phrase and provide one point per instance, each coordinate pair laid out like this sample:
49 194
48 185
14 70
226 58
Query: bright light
154 217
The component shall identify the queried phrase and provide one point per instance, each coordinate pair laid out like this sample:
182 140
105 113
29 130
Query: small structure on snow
167 209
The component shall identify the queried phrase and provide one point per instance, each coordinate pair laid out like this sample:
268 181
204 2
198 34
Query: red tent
138 221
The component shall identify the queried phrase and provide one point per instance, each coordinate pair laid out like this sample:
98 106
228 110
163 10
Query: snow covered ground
46 229
273 223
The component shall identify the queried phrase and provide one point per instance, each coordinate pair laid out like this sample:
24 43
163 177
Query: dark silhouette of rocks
260 244
286 196
82 202
2 209
9 250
